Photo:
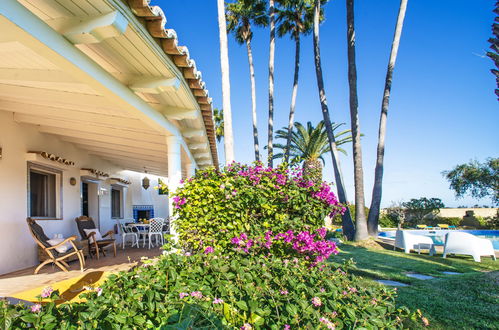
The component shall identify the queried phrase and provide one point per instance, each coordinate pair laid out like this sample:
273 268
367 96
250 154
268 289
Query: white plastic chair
128 232
407 241
467 244
155 230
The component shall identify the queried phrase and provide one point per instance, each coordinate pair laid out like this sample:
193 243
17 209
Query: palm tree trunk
224 64
253 99
270 144
293 97
372 221
348 227
312 170
360 214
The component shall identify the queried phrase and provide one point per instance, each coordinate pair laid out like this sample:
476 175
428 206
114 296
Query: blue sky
443 110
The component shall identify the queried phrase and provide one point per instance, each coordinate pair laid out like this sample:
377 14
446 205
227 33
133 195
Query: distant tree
218 117
477 179
241 16
418 209
494 45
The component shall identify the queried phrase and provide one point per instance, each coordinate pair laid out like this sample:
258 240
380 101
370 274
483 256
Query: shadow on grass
466 301
393 265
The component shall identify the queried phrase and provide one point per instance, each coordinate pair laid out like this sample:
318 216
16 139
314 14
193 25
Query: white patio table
139 228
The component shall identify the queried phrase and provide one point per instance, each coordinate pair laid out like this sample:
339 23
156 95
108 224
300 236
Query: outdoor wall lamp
145 181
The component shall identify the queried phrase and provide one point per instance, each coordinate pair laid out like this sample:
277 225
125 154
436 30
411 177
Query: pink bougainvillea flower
36 308
287 327
197 294
209 250
352 290
284 292
218 301
316 301
246 326
327 323
323 290
183 295
46 292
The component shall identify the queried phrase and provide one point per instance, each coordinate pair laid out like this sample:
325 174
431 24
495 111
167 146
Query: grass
466 301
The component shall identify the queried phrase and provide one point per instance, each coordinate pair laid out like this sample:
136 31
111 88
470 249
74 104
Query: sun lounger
407 241
467 244
443 226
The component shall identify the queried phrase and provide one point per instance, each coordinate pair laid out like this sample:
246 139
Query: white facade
17 248
93 83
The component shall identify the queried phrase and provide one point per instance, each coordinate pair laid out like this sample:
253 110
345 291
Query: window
116 202
44 192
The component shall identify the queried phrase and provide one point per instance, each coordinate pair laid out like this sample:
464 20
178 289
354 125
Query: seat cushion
61 249
97 236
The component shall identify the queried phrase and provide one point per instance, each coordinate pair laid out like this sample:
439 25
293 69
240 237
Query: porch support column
174 172
191 171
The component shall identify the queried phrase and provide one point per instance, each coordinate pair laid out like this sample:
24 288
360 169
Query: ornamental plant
312 247
215 291
215 204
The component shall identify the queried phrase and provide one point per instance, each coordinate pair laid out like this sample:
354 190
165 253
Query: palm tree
348 227
360 214
270 135
308 145
372 221
241 15
295 17
224 64
218 118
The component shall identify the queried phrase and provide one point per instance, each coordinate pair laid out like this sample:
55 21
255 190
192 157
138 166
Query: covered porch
98 106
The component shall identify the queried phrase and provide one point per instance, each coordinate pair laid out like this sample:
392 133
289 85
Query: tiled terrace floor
24 279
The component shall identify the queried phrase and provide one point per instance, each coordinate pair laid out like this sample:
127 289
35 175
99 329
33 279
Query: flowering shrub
215 291
313 247
215 205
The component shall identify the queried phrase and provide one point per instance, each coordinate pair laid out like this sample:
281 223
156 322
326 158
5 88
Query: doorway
90 200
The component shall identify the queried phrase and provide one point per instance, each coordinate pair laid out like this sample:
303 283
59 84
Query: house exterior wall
17 248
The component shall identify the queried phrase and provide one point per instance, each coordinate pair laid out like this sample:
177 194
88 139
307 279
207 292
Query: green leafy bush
388 220
215 205
214 291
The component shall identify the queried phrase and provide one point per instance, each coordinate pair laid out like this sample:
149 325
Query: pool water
438 236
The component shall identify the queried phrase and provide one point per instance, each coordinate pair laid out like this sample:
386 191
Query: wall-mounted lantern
145 181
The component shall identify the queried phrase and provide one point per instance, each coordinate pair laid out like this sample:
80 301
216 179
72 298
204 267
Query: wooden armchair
53 256
95 246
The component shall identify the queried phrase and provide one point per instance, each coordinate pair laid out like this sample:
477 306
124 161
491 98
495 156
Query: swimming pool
438 236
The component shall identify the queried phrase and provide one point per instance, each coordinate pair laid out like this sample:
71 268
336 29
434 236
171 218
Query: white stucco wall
17 247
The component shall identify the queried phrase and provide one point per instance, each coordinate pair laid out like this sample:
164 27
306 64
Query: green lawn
467 301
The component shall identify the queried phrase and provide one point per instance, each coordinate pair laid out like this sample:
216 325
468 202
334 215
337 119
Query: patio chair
155 230
464 243
166 226
96 241
127 231
54 256
407 241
